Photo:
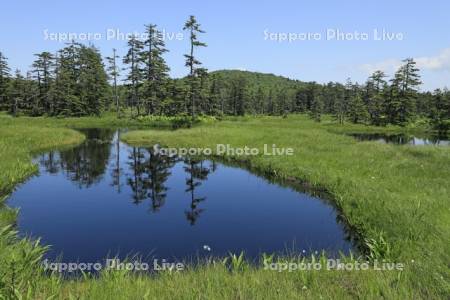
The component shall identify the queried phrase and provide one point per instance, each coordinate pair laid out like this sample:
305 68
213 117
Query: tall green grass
109 120
20 258
395 197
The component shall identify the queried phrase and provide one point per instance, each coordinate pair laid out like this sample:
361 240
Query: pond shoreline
431 286
102 161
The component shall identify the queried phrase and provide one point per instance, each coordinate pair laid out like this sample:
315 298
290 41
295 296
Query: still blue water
104 198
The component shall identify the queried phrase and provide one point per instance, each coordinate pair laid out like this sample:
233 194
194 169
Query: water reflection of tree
158 167
213 166
50 162
150 171
87 163
116 171
84 164
196 174
137 178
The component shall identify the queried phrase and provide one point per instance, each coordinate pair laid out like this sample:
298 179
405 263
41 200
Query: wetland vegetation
79 177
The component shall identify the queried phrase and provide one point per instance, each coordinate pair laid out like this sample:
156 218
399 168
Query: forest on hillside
78 81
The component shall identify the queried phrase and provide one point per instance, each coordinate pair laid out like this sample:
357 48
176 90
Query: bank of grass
110 120
18 142
419 127
395 197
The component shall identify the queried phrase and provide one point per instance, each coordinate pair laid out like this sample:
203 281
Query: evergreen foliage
74 82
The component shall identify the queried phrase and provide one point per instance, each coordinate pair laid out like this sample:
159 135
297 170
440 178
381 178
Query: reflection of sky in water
418 141
403 139
106 197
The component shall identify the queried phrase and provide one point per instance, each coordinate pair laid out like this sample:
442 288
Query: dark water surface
404 139
105 198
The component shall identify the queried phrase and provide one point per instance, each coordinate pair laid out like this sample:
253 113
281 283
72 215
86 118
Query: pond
105 198
404 139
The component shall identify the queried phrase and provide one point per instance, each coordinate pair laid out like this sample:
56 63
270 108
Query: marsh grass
395 197
109 120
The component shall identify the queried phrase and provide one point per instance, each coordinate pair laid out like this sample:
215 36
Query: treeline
76 82
378 101
71 83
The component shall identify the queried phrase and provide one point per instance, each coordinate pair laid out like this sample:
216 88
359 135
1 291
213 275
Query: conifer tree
192 63
31 104
176 97
311 93
43 70
329 98
155 70
259 103
357 112
440 110
238 96
376 93
204 99
92 81
17 94
81 82
403 93
283 107
341 102
316 106
133 59
214 97
114 72
65 100
301 100
4 81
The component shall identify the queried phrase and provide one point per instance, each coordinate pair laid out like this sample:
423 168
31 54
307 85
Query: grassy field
18 141
394 197
109 120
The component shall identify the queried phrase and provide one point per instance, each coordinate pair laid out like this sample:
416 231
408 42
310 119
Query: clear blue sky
235 34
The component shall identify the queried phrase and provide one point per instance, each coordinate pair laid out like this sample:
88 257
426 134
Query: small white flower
206 248
412 260
304 287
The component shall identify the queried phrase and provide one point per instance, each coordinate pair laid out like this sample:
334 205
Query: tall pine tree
341 102
316 105
440 110
155 70
133 59
376 93
81 82
113 73
92 81
192 63
65 99
4 81
357 112
403 93
17 94
43 70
